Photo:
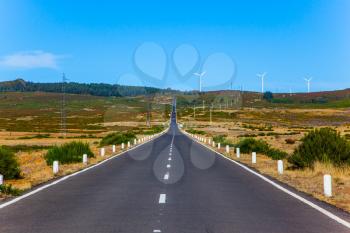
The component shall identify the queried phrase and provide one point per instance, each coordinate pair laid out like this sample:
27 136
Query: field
282 127
30 124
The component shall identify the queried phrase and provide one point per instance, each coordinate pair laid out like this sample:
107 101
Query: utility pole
63 106
210 114
194 112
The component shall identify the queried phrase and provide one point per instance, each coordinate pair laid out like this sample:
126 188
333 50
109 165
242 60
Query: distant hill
96 89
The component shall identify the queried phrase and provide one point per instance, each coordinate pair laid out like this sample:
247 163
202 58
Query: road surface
172 185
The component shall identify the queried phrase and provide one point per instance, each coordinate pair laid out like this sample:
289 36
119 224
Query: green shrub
38 136
222 140
153 130
8 190
195 131
276 154
21 147
9 167
117 138
71 152
249 145
323 145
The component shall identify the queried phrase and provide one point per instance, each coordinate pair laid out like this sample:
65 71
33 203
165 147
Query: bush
68 153
323 145
268 96
195 131
9 167
117 138
7 189
222 140
249 145
290 141
155 129
276 154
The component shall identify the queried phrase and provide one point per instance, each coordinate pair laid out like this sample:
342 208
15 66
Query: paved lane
172 185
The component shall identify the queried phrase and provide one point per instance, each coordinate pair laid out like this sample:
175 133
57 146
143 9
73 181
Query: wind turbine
200 75
308 84
262 76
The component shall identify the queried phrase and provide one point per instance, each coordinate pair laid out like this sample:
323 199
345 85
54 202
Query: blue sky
135 42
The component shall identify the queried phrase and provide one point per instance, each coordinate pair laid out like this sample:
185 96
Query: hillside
96 89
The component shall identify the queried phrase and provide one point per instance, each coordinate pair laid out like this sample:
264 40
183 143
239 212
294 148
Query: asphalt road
172 185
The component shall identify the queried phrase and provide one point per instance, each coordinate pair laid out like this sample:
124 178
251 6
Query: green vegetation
222 139
259 128
9 190
97 89
17 148
268 96
195 131
68 153
9 166
117 138
153 130
38 136
324 145
249 145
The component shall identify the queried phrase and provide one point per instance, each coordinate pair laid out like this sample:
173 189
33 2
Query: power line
63 106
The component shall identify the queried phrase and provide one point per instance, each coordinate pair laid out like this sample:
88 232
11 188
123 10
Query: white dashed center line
162 198
169 159
168 166
166 176
157 231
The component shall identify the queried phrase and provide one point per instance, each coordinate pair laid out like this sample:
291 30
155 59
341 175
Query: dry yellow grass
308 180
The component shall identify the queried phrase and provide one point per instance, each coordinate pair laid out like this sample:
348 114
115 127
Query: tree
268 96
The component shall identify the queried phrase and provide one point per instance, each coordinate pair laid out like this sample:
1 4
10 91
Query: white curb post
128 144
238 152
113 148
55 167
123 146
209 141
327 185
219 145
135 141
227 149
84 158
280 167
1 179
253 157
102 151
213 144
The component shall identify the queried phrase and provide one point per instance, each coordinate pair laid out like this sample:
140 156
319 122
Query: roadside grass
195 131
9 166
249 145
9 190
71 152
308 180
117 138
38 136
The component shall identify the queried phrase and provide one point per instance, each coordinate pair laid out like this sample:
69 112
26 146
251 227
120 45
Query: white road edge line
162 198
157 231
73 174
307 202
